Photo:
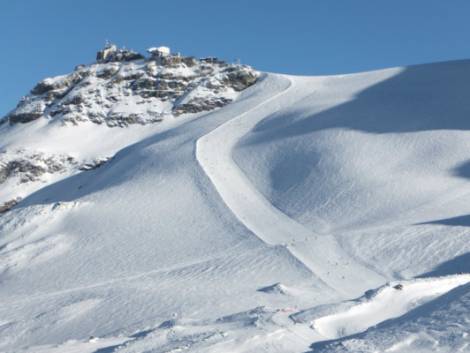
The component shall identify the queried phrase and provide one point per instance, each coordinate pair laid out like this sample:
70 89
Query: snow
162 50
320 254
440 325
281 222
389 302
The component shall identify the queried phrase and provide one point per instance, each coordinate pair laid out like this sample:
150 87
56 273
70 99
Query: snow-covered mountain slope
372 154
82 114
253 227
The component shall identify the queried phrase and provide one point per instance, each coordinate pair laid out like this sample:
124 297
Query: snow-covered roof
160 50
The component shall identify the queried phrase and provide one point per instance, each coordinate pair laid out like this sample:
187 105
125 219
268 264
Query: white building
159 51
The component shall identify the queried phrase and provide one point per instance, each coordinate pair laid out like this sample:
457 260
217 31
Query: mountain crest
124 87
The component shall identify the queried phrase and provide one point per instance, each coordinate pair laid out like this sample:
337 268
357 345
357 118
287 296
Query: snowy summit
159 51
166 203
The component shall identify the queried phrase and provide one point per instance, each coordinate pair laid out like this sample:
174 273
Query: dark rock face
197 106
112 53
20 167
124 120
59 83
189 61
42 87
107 72
240 79
43 95
144 84
24 117
213 60
6 206
27 110
95 164
4 174
23 167
31 167
399 286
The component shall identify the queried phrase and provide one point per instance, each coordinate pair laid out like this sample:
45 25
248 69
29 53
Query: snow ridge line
319 254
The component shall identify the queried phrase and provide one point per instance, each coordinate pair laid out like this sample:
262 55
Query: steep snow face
395 140
376 159
250 228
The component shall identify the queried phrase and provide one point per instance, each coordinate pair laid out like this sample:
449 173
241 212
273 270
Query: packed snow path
321 254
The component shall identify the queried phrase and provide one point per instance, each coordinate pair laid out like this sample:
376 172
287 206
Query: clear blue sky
41 38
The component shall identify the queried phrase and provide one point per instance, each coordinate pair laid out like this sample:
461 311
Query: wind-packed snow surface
297 214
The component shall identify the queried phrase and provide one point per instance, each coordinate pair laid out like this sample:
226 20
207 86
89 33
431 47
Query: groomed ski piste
312 214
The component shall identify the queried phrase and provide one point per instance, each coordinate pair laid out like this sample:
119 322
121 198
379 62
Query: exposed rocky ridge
124 88
8 205
27 167
22 167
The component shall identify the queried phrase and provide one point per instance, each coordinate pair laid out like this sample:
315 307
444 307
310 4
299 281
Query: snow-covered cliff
122 89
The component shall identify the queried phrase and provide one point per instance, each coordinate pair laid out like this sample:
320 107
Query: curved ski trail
321 254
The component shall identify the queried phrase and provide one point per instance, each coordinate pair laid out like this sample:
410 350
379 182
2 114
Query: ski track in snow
320 254
273 227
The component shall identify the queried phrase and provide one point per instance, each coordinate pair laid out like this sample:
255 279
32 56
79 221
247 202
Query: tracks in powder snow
320 254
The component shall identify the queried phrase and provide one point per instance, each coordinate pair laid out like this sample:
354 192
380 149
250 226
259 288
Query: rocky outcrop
198 105
120 89
239 79
8 205
30 167
112 53
24 117
94 164
19 168
59 86
27 110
